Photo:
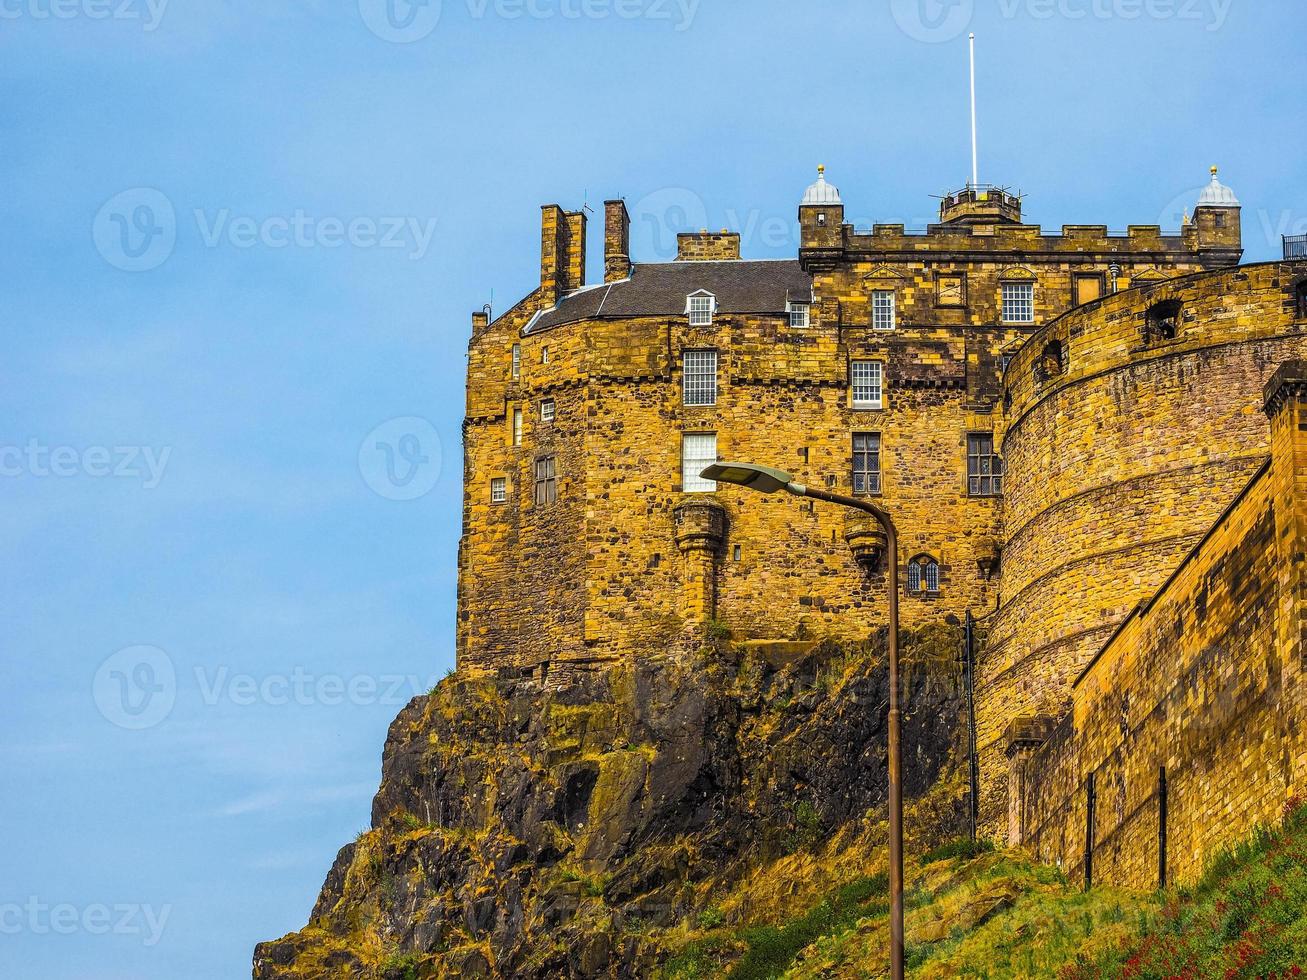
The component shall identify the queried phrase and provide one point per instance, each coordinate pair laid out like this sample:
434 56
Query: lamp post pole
769 480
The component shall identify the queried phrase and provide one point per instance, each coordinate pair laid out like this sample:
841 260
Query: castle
1067 428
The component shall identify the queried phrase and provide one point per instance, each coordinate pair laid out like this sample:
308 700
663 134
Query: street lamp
766 479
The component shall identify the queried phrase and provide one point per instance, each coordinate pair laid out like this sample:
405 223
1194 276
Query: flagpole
975 159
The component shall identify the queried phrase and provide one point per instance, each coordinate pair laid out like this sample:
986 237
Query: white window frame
884 309
698 450
872 477
544 355
701 307
699 378
499 490
517 361
800 315
1018 309
548 410
517 427
867 384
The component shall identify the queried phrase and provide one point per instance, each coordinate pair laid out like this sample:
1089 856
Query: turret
1217 222
821 218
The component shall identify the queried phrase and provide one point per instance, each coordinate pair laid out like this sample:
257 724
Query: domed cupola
1217 195
821 192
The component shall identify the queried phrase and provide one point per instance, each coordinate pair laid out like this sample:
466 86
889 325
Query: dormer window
701 306
800 315
1163 322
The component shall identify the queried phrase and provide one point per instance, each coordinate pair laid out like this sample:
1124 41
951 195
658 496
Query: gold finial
821 168
1215 170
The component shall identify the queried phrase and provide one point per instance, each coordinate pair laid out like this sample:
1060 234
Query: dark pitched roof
740 286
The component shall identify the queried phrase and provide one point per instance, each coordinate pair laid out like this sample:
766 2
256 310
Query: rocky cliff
576 825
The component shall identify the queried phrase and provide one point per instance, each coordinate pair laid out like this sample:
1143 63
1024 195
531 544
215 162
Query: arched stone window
1163 322
923 575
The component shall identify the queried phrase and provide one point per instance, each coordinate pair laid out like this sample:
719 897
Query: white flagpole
975 159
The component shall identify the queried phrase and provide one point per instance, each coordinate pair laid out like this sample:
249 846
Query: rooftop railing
1295 246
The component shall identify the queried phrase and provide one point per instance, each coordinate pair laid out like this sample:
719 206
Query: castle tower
1217 220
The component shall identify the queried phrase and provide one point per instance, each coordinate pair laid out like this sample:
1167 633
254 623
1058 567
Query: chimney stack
617 241
562 252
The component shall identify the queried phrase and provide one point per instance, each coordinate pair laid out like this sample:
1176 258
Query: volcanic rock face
556 827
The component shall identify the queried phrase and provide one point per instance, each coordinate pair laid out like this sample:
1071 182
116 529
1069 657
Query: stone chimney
562 252
707 246
617 241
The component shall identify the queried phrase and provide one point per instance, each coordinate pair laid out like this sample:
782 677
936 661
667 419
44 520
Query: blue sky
242 243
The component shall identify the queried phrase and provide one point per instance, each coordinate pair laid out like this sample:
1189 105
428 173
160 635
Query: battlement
981 204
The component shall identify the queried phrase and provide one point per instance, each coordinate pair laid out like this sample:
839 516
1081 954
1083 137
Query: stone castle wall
600 573
1188 727
1122 450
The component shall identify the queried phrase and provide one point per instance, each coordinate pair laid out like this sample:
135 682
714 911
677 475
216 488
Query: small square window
700 309
800 315
882 309
547 410
498 490
1088 287
1018 302
867 383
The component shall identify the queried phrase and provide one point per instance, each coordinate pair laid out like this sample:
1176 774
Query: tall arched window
923 575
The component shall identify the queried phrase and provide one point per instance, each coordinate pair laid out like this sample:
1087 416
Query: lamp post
766 479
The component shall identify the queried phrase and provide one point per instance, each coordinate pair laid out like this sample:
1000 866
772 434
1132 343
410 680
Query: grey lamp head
764 479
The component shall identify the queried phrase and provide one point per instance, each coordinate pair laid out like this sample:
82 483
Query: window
923 576
517 360
517 427
1163 321
698 450
1088 287
699 377
544 355
867 381
984 467
1052 361
546 481
1018 302
800 315
951 289
547 410
1300 300
700 308
866 462
882 309
498 490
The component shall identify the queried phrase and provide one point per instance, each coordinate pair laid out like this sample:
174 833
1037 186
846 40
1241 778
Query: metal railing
1295 246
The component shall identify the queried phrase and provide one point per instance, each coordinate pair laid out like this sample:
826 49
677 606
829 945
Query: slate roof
740 286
